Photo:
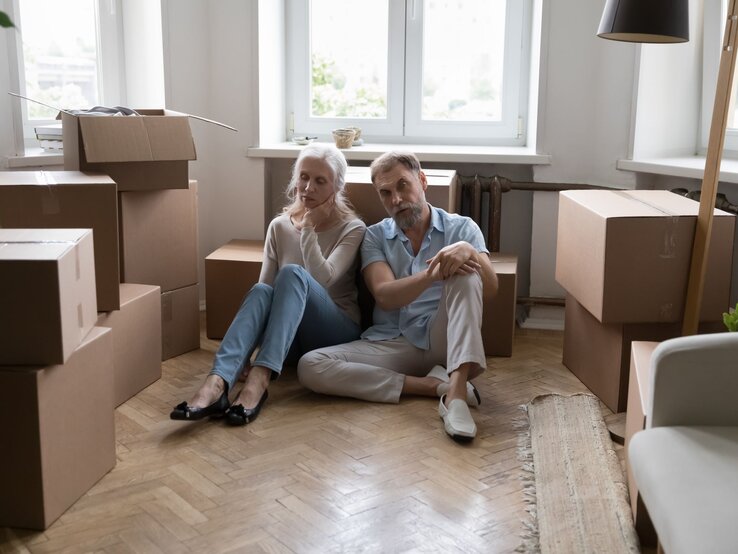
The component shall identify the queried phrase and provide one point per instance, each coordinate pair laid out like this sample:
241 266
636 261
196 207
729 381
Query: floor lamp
667 21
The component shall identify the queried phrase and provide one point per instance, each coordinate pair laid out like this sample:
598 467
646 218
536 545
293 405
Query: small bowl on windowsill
302 140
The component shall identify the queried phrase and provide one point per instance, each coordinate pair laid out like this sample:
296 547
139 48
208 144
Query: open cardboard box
139 153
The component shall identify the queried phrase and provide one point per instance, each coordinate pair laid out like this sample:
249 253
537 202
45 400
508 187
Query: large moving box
625 255
599 353
136 339
180 321
47 294
68 199
158 237
230 272
139 153
441 192
58 433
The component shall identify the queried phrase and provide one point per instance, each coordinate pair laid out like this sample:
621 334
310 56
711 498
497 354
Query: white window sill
35 157
425 152
686 166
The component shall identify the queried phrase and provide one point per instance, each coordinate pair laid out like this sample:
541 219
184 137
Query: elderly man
428 271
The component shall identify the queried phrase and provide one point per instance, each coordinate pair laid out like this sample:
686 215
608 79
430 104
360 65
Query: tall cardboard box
625 255
145 152
498 318
441 192
158 237
47 294
58 433
68 200
180 321
230 272
599 353
136 339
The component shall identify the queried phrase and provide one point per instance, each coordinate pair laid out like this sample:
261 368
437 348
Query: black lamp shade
659 21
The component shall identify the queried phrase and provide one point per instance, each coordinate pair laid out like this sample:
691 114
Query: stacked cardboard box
623 257
148 158
158 246
54 375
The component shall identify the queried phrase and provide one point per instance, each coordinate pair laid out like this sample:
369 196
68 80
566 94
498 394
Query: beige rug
575 487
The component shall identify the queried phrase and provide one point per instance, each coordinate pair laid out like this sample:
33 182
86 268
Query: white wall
210 68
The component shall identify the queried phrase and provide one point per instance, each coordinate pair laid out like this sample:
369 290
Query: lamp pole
703 228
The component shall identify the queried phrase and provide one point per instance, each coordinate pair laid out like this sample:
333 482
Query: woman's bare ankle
209 392
257 382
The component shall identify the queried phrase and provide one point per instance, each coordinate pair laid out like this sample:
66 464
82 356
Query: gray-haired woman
306 296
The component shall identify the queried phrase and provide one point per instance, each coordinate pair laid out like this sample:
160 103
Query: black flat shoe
238 415
217 409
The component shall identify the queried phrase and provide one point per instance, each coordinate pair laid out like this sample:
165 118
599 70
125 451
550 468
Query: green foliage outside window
332 98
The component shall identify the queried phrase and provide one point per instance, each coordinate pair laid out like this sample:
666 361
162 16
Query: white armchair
685 462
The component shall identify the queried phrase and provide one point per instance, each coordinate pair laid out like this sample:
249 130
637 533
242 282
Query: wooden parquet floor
313 473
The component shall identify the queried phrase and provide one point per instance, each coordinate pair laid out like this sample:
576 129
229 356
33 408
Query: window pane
348 52
59 54
463 59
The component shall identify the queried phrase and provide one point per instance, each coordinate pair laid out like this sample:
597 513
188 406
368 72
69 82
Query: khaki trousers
376 370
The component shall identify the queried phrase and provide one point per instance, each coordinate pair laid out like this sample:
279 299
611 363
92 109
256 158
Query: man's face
403 194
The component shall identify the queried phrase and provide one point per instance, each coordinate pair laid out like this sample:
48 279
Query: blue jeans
293 317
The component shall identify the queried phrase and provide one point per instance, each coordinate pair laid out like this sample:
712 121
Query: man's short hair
388 160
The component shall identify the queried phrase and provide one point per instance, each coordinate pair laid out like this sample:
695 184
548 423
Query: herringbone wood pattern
313 473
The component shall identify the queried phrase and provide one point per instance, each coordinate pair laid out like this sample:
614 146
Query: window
454 71
715 14
67 57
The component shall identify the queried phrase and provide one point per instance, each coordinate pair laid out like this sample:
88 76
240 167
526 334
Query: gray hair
388 160
337 162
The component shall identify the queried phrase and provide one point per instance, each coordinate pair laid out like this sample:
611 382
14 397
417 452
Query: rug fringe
530 539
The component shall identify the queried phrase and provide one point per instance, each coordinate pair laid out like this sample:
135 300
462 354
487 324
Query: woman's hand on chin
318 215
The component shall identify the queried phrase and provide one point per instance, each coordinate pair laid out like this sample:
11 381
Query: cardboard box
625 255
180 321
441 192
639 386
136 339
230 272
47 294
58 434
158 237
498 318
599 353
68 200
140 153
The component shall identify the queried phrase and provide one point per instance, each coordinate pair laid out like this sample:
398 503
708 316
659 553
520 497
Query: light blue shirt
386 242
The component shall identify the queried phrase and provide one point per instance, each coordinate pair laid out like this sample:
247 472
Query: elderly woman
306 295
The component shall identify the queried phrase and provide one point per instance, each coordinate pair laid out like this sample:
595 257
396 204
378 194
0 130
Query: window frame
403 123
110 65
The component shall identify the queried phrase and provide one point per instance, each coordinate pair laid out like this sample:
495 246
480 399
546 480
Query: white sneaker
473 398
457 419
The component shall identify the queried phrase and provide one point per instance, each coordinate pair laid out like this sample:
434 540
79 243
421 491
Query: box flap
115 139
170 138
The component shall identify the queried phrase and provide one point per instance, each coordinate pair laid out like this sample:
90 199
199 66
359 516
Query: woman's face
315 181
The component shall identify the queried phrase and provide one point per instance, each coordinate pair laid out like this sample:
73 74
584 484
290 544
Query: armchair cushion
688 478
694 381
